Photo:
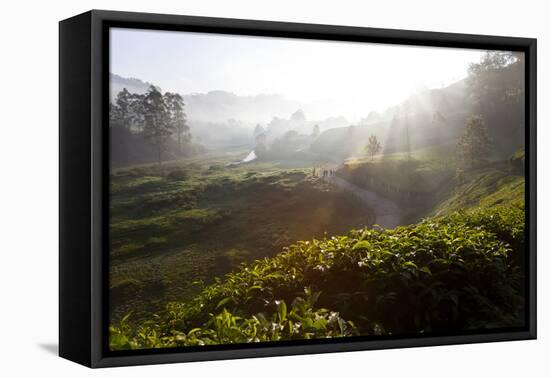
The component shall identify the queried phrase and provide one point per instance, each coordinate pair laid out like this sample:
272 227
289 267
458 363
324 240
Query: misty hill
492 91
220 106
221 119
431 117
216 107
133 85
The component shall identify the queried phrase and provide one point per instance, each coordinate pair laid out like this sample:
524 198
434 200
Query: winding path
387 213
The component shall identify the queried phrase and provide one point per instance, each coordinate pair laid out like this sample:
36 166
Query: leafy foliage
303 321
373 147
484 187
496 89
474 145
446 274
154 117
200 220
175 105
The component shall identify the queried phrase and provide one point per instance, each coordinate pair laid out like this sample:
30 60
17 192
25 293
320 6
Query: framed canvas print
235 188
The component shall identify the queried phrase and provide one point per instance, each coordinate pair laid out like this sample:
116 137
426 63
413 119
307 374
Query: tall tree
114 114
258 130
137 111
261 146
175 105
496 80
123 104
158 126
316 131
474 145
373 147
496 88
298 116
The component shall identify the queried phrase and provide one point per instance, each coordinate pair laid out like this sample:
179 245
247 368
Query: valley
176 228
254 217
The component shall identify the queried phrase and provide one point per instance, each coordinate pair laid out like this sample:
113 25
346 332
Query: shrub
442 275
178 174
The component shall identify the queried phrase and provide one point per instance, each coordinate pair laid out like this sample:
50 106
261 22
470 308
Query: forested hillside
227 229
493 90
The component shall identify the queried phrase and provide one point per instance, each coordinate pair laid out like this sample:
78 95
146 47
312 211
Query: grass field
484 187
208 252
426 182
175 228
447 274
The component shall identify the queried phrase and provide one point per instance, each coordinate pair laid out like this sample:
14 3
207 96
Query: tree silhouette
474 145
158 126
316 131
298 116
175 106
137 111
123 106
114 114
260 148
373 147
258 130
496 90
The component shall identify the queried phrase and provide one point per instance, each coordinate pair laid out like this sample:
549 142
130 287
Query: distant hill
432 117
219 106
133 85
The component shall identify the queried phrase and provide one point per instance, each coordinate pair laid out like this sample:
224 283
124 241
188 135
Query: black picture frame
83 182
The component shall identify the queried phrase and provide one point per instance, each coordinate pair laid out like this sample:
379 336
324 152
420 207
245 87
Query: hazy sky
353 78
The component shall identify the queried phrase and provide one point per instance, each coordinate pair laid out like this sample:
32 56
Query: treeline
496 88
291 145
149 127
493 92
496 107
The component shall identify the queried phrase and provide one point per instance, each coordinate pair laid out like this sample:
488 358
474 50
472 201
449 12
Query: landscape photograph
266 190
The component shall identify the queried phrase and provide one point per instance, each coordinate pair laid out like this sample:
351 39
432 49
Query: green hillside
410 221
192 220
444 274
483 187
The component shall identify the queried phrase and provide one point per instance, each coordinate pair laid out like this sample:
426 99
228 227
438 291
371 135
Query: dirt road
388 213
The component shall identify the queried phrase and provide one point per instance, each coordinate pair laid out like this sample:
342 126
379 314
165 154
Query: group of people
323 172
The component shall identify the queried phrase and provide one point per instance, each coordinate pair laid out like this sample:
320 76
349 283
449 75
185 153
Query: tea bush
442 275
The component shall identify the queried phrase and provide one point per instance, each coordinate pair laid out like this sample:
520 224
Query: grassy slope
418 174
430 177
484 187
416 183
200 219
442 275
408 280
457 271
